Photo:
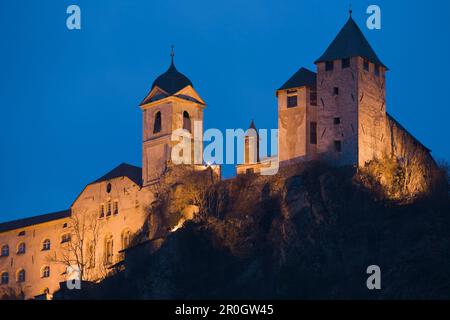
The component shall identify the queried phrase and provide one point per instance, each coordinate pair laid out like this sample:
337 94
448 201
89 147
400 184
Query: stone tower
297 104
171 104
251 145
351 111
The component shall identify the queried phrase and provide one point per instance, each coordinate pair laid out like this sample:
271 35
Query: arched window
157 123
102 211
126 238
21 275
109 250
5 278
116 207
5 251
186 121
21 248
45 272
46 245
108 208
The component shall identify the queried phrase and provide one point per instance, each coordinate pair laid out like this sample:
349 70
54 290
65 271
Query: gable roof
303 77
123 170
350 42
25 222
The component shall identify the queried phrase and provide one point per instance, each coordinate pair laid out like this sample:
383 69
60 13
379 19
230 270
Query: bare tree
9 293
79 245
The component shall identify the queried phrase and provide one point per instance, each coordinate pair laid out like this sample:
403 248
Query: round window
108 187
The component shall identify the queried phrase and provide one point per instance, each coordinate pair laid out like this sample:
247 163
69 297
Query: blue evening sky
69 99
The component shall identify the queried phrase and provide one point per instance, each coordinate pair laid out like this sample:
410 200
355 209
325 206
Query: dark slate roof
123 170
25 222
170 81
406 131
350 42
301 78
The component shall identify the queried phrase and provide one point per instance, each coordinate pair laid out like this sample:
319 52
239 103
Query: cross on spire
172 53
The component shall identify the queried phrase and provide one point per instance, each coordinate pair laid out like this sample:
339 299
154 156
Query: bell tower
171 104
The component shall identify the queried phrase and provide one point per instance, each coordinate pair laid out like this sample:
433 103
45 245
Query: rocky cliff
308 232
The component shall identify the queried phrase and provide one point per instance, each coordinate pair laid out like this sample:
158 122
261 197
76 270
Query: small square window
291 101
337 145
329 66
366 65
345 63
337 120
335 91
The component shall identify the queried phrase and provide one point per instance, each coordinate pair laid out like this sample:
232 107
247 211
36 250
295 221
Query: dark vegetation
309 232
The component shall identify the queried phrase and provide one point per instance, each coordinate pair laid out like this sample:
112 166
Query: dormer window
345 63
366 65
329 65
292 101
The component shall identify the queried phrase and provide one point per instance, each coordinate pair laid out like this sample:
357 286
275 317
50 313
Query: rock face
310 232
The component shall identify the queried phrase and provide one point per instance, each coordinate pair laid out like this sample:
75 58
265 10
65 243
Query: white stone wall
133 203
